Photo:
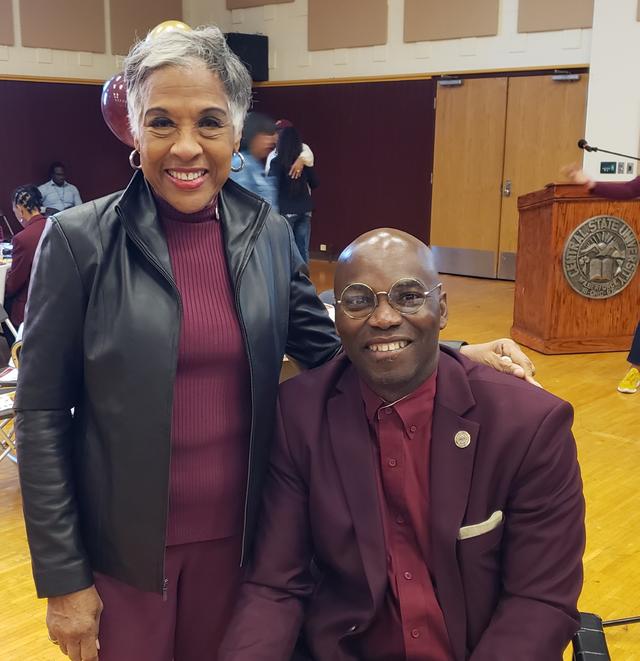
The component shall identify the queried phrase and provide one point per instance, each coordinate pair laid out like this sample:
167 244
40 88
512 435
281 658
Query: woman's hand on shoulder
503 355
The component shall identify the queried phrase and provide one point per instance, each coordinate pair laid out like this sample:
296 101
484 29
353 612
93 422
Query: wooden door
545 120
467 175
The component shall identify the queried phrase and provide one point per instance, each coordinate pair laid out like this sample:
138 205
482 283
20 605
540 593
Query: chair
5 321
589 643
327 297
7 415
8 433
16 348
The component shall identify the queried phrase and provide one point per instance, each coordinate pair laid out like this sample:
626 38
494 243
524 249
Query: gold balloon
167 26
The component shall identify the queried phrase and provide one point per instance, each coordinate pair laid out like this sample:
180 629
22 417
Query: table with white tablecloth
4 268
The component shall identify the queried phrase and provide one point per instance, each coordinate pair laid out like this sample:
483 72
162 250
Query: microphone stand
583 145
620 622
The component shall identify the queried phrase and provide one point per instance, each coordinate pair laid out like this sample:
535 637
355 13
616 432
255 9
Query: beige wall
79 39
428 20
347 23
78 25
286 25
73 25
545 15
241 4
6 23
132 19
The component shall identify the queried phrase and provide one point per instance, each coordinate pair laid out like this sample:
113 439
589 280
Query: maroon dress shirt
410 625
211 397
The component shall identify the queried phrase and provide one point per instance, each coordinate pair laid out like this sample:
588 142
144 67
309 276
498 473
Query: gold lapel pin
462 439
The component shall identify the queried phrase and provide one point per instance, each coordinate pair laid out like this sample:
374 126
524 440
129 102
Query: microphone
583 144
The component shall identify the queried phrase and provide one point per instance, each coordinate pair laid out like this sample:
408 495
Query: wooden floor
607 429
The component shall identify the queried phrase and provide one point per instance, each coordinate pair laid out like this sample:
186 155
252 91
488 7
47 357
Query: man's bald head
373 249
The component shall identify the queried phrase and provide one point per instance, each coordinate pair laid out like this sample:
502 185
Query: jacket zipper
167 276
263 210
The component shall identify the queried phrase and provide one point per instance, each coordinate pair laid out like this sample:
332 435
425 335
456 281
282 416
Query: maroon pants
203 579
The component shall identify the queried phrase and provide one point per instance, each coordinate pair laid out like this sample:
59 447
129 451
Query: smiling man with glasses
418 506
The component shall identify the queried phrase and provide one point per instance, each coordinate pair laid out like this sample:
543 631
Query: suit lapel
451 469
351 443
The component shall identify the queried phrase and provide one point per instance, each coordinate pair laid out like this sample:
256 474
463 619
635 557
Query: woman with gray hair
149 372
163 330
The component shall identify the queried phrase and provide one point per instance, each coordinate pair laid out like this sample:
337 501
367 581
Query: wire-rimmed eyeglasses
407 296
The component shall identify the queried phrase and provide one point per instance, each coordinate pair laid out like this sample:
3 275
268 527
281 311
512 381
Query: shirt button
387 411
408 575
415 633
412 429
393 463
400 519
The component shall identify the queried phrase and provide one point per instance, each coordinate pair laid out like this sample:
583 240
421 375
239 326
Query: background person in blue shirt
258 141
57 193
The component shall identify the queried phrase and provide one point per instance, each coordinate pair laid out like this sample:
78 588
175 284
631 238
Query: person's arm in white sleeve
306 155
305 158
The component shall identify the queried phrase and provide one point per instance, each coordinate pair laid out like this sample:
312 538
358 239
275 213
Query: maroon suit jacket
320 560
19 275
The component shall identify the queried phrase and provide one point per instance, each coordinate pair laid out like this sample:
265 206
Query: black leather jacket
101 338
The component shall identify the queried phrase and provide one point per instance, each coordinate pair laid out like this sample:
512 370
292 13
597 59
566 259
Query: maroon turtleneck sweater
211 398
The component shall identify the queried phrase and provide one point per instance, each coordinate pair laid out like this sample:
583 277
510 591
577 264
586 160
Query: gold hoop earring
132 160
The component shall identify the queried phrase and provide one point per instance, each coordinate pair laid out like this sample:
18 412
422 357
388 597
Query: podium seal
600 257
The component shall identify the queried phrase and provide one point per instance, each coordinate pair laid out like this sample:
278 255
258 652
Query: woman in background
624 190
294 195
26 201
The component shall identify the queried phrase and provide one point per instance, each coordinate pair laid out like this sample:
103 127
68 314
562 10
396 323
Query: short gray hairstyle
179 48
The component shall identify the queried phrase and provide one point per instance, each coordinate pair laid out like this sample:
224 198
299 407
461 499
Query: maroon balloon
113 104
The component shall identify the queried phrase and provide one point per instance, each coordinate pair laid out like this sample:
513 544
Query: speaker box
253 50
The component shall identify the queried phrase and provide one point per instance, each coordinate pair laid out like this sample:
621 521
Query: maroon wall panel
373 144
45 122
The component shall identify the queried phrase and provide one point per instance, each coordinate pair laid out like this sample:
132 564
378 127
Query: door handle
506 188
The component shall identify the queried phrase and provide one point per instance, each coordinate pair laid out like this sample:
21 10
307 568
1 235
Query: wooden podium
549 315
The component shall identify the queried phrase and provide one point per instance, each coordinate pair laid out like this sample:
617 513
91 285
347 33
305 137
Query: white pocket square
476 529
